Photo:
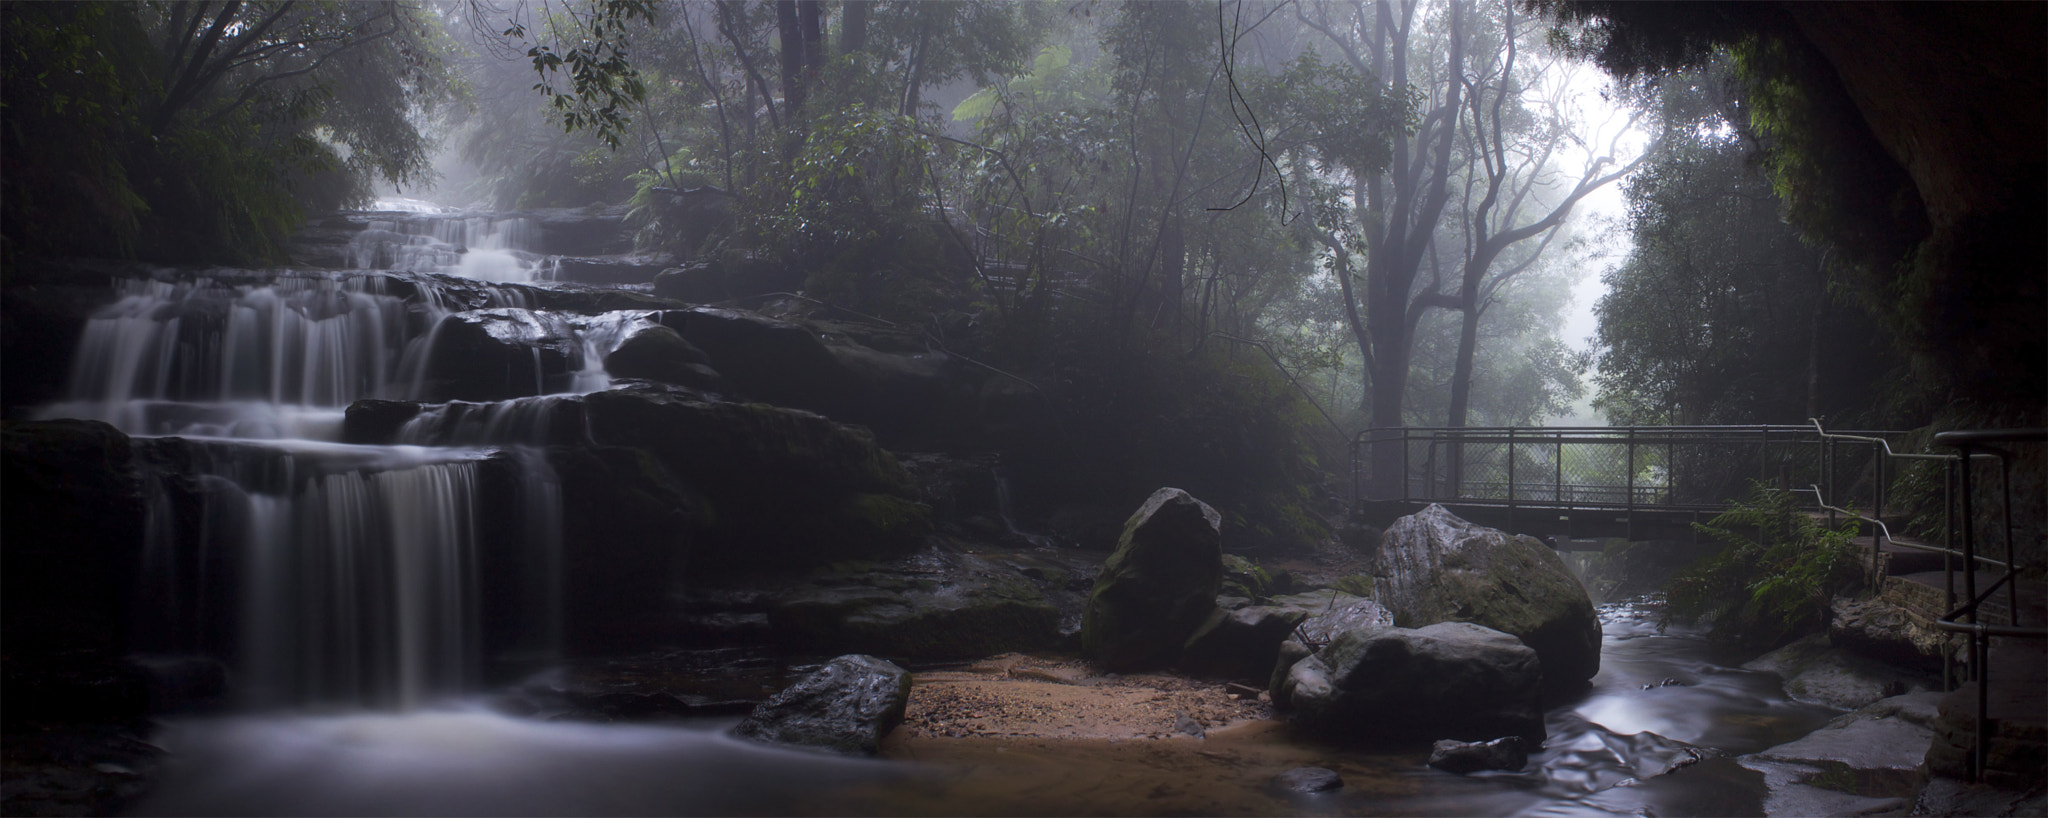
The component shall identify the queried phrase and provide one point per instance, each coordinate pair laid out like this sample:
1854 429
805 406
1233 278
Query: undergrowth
1774 576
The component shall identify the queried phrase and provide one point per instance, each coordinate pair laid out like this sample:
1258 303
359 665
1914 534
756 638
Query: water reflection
1655 735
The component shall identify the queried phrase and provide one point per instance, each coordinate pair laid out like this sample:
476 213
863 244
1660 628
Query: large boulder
1817 673
1451 680
1436 567
657 353
847 706
1158 586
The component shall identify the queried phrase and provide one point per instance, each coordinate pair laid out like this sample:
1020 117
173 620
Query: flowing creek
340 582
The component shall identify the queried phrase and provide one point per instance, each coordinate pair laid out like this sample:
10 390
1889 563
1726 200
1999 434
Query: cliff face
1957 96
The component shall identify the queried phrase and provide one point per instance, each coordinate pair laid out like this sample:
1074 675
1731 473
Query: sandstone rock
845 707
1435 567
1158 586
1461 757
611 269
1449 680
1326 613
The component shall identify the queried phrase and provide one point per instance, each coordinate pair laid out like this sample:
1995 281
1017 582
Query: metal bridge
1639 482
1654 482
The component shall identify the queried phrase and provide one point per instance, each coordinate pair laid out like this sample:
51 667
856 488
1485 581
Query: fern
1774 576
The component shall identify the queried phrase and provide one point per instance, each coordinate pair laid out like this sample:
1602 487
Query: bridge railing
1677 468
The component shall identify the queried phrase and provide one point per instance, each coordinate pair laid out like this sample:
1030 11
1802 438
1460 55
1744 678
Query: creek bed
1658 704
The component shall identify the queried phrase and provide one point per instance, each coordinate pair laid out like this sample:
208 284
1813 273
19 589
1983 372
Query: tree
213 125
1721 314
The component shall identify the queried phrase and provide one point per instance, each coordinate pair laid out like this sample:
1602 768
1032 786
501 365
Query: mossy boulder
1158 586
1436 567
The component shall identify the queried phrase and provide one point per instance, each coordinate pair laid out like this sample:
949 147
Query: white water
480 247
330 574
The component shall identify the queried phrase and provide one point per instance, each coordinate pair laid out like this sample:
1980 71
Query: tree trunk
853 27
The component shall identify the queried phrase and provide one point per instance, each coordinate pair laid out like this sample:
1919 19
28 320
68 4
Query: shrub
1774 576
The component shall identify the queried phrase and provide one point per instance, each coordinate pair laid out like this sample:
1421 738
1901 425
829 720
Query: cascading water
480 247
329 573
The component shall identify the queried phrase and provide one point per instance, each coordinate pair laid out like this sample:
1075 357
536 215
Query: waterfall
352 575
483 248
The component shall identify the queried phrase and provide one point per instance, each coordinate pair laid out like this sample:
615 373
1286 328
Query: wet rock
1307 781
845 707
611 269
1462 757
1890 734
932 605
657 353
375 422
1817 673
1326 613
725 277
597 230
2016 752
181 683
496 354
628 529
1449 680
1885 631
1242 643
767 359
1435 567
71 538
1158 586
785 488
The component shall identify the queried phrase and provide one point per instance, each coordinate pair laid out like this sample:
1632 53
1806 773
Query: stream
1657 705
360 594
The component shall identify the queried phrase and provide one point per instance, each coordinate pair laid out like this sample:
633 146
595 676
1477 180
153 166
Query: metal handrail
1980 633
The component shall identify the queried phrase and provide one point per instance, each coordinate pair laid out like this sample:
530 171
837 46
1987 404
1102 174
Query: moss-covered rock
1435 567
1158 586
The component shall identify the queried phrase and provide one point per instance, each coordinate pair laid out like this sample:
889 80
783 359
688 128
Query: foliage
203 131
1775 575
1720 313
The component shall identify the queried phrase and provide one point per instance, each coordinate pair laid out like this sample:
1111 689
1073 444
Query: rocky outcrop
1461 757
784 488
1158 586
1883 630
847 706
725 277
1449 680
1435 567
71 536
933 605
611 269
